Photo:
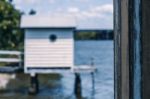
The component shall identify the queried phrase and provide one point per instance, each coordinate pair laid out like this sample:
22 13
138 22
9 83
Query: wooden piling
77 86
93 77
127 36
132 49
34 88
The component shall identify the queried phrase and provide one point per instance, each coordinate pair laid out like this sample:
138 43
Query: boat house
49 43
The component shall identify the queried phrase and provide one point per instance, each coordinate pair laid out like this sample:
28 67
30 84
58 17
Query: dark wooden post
77 86
132 49
127 28
34 88
121 29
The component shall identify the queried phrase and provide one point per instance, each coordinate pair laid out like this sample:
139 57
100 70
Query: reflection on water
61 86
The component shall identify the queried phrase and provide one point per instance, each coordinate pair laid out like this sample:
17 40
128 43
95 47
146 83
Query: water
61 86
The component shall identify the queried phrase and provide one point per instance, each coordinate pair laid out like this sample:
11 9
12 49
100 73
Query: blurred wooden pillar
121 49
127 27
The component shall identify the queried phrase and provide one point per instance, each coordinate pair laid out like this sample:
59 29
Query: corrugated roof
34 21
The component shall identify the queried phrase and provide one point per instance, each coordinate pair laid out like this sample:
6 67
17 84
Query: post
93 84
121 49
77 87
93 78
132 75
34 88
127 28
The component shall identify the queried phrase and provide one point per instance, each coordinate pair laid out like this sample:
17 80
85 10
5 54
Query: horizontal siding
49 57
69 46
47 41
50 54
44 33
40 51
47 65
49 50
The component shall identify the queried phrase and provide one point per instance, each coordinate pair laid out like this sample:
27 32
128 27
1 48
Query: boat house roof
35 21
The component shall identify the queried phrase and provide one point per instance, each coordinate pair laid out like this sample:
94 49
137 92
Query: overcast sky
91 14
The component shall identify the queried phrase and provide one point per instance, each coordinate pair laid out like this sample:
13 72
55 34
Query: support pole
93 84
93 78
34 88
77 87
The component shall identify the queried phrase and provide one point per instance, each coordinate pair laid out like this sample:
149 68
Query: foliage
11 36
94 35
85 35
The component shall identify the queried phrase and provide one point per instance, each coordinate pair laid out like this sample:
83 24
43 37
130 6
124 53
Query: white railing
3 52
17 59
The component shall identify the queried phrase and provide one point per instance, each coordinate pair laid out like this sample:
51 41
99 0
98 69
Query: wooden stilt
93 84
93 78
34 88
77 86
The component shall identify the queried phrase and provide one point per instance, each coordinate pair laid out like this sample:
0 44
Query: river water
61 86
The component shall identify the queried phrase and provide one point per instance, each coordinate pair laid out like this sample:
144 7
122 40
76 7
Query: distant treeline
94 35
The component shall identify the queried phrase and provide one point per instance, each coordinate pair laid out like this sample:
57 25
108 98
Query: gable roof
36 21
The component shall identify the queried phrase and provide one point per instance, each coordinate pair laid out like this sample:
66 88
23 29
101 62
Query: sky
90 14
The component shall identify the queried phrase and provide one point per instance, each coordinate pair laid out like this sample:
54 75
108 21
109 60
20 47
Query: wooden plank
117 54
125 88
48 65
45 33
3 52
11 60
84 69
46 41
49 52
47 70
121 28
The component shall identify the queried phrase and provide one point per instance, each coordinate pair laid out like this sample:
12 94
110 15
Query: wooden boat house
49 43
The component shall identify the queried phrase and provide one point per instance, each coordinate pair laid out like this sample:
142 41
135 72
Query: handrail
10 60
4 52
17 59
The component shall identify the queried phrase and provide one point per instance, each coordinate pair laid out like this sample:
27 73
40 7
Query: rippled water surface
61 86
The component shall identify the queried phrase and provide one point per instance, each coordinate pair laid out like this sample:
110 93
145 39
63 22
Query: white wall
41 52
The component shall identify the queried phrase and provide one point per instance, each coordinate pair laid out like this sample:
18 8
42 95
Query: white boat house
49 43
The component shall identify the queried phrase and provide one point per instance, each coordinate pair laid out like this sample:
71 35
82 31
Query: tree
11 36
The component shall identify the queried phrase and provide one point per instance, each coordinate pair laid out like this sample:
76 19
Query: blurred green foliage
94 35
85 35
11 36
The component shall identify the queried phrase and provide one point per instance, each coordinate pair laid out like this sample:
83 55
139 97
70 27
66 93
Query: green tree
83 35
11 36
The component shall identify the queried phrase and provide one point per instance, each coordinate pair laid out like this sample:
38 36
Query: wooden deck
80 69
84 69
